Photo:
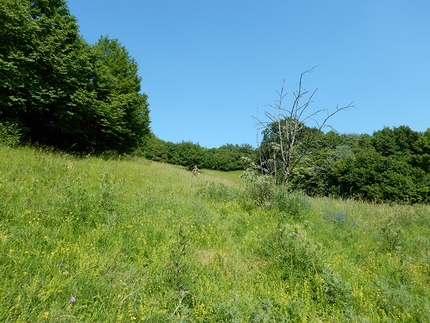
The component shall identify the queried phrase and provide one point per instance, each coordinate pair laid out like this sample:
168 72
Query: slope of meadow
90 240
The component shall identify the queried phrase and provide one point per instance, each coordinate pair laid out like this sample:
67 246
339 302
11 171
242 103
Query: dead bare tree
290 139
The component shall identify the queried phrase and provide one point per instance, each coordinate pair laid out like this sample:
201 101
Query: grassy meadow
93 240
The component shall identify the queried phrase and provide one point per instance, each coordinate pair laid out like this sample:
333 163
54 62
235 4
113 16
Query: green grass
228 178
139 241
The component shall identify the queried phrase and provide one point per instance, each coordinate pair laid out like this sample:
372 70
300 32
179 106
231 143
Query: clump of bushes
264 192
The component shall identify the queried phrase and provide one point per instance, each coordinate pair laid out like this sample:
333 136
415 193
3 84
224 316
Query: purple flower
294 235
72 299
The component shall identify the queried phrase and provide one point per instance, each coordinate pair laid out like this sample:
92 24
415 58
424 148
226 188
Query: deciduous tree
45 73
122 111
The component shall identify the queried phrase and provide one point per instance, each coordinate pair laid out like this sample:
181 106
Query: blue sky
210 66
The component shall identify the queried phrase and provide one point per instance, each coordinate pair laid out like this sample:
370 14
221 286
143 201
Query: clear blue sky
209 66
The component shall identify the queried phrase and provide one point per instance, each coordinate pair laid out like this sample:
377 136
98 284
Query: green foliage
45 72
154 149
122 112
390 166
219 192
396 141
285 147
384 142
260 187
421 152
262 190
61 92
290 203
374 177
227 157
9 134
188 154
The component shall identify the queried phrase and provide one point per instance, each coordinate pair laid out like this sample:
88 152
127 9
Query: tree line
226 158
391 165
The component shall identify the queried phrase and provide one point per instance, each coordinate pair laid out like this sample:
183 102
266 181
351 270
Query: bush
9 134
291 203
260 187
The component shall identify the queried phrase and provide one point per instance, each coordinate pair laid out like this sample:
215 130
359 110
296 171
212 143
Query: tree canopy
61 91
123 115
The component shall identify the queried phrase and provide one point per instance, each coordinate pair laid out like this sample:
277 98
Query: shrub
290 203
9 134
260 187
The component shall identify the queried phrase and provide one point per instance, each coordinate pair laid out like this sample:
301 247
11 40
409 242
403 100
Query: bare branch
285 128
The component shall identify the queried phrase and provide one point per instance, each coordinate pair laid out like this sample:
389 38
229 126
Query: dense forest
57 90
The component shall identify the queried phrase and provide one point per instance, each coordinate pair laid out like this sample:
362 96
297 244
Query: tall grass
92 240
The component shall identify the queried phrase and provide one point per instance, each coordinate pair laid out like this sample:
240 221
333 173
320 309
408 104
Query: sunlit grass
90 240
228 178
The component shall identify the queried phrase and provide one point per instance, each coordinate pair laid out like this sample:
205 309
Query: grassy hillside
89 240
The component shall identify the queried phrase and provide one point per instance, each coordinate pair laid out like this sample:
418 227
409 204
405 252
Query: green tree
364 142
62 92
384 142
405 138
421 152
45 73
154 149
122 111
371 176
397 141
287 148
189 155
222 159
